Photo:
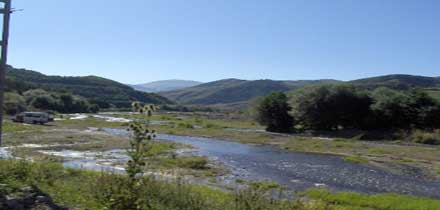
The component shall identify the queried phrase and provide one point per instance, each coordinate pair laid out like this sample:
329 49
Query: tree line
103 92
340 106
38 99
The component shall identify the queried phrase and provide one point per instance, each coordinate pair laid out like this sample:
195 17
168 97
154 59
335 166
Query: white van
32 118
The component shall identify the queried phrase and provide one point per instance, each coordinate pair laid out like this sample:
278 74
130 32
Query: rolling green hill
97 90
232 91
398 82
237 93
434 92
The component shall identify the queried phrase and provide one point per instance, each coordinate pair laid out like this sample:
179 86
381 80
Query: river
299 171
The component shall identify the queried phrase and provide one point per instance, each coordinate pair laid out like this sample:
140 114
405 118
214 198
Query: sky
138 41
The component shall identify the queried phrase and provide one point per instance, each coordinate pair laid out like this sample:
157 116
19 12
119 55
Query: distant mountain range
227 92
235 92
97 90
165 85
231 91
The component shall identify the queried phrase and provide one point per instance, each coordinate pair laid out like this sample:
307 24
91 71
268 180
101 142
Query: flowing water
299 171
296 170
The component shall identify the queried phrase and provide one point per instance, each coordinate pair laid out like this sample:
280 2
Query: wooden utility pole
6 11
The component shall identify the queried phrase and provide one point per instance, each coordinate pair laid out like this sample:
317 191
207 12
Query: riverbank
398 157
77 189
71 141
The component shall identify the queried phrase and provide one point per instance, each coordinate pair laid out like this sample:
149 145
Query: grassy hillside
434 92
237 93
232 91
103 92
398 82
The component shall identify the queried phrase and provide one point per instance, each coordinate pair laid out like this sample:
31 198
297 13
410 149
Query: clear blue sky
136 41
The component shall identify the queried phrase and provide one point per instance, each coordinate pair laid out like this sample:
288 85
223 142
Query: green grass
160 148
355 159
196 119
67 187
435 93
80 190
9 127
343 143
93 190
382 153
88 122
198 163
379 201
377 151
194 124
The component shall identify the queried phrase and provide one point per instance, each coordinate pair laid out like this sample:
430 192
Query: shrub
14 103
425 137
197 163
185 125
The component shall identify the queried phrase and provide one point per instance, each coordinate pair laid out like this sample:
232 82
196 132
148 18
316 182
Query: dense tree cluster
14 103
405 110
341 106
273 112
38 99
103 92
329 107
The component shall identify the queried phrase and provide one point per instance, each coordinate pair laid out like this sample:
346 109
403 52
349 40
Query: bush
424 137
14 103
333 107
185 125
197 163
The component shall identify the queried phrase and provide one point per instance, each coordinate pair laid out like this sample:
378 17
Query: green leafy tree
13 103
80 105
106 93
426 108
404 110
45 102
67 101
31 94
60 102
329 107
392 109
273 112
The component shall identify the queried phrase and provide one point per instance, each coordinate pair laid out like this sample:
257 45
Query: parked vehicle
33 118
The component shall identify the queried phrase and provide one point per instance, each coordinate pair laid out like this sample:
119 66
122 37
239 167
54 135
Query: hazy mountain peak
166 85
